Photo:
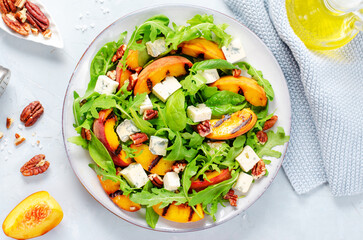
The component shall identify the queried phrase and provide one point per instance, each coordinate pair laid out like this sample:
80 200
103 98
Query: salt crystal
20 127
80 16
92 25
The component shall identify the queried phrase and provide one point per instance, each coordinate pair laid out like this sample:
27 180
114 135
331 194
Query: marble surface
42 73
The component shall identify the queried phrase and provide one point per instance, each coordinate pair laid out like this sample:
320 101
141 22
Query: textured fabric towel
326 89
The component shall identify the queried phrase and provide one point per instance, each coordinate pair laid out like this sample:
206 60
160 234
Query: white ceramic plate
257 54
54 41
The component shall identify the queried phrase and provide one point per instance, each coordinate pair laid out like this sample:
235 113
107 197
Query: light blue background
42 73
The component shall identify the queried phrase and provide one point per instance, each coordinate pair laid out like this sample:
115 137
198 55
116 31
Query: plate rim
145 9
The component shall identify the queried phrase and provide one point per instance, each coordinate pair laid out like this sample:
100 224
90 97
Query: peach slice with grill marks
150 162
234 125
104 130
158 70
202 48
182 213
33 217
254 93
213 177
122 201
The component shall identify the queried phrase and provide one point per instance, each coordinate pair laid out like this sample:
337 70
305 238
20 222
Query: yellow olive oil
319 26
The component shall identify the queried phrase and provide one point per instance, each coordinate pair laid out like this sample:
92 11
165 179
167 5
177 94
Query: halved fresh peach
104 130
213 177
234 125
124 202
254 93
150 162
182 213
33 217
203 48
158 70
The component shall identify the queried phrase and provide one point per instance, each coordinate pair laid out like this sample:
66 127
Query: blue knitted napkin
326 89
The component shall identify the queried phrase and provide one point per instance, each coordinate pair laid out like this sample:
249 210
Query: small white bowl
257 54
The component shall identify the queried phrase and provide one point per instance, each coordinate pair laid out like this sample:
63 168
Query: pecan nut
270 123
132 81
19 27
112 74
36 17
156 180
7 6
259 169
231 197
204 128
179 166
119 53
18 139
139 138
35 166
20 3
236 72
86 134
262 137
9 122
150 114
31 113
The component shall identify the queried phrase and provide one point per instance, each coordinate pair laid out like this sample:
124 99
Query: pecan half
21 15
9 122
35 166
236 72
86 134
150 114
20 3
262 137
36 17
204 128
179 166
156 180
10 20
139 138
132 81
111 74
259 169
231 197
47 34
119 53
138 69
31 113
18 139
270 123
1 135
4 9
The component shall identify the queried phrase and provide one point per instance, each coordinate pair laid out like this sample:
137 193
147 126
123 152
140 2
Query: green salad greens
174 123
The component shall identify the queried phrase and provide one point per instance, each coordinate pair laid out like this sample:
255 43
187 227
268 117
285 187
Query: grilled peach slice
150 162
203 48
231 126
254 93
213 177
122 201
33 217
158 70
182 213
104 129
122 75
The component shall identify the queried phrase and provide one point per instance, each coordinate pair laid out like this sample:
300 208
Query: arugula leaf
195 139
130 152
102 61
175 113
151 217
199 26
124 186
274 139
208 92
179 151
143 125
156 196
103 102
193 82
136 101
225 102
258 76
212 192
78 140
100 154
188 173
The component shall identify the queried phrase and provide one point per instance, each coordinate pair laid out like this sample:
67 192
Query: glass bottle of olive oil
325 24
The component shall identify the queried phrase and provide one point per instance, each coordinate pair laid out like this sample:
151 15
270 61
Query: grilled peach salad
171 124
